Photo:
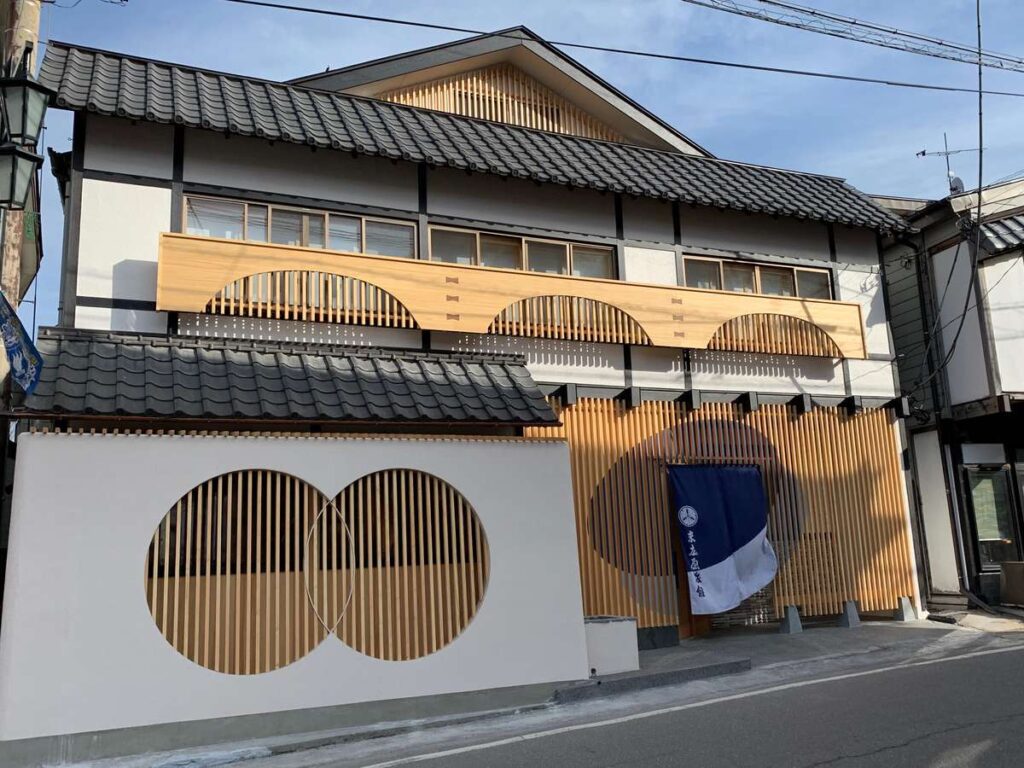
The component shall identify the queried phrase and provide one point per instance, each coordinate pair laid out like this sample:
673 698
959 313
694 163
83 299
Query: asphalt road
960 713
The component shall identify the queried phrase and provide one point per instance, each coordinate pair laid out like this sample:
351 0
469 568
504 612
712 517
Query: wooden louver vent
505 94
774 335
311 296
570 318
250 571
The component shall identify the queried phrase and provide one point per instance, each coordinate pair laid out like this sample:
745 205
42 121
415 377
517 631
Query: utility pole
19 20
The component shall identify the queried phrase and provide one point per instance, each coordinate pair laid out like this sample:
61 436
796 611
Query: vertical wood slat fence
570 318
251 570
774 335
836 512
312 296
503 93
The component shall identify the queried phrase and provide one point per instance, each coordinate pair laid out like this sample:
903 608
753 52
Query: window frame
757 266
305 213
524 250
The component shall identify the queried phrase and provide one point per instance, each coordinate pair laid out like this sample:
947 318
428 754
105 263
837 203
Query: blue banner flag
723 524
26 363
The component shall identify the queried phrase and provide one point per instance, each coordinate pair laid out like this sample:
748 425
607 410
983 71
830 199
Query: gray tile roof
116 84
99 373
1004 234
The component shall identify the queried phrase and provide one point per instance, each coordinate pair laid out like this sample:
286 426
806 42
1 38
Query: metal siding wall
836 516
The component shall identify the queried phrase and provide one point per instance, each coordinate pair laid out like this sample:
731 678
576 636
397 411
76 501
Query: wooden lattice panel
571 318
837 515
312 296
505 94
774 335
251 570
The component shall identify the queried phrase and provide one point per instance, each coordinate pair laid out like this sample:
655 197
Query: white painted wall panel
966 369
1002 284
710 228
129 320
748 372
650 265
865 288
935 513
646 219
119 239
290 169
119 146
515 201
548 360
871 378
80 651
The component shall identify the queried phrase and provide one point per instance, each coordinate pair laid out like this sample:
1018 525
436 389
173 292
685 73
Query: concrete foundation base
904 610
850 617
790 624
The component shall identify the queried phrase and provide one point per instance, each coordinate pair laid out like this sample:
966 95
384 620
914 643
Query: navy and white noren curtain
723 524
24 359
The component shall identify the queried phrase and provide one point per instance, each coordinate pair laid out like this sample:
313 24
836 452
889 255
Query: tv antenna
956 184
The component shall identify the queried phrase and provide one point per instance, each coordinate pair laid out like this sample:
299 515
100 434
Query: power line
973 275
858 30
624 51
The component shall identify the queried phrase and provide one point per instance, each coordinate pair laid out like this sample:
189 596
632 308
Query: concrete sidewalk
751 658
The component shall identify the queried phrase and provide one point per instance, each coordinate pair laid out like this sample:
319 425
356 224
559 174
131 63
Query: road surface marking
680 707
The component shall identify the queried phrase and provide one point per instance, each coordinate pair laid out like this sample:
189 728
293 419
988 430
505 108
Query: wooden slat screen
833 482
505 94
312 296
251 570
774 335
571 318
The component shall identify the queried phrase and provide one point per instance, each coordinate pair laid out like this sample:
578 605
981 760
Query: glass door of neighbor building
990 498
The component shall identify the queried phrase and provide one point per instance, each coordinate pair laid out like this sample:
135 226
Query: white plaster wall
263 329
872 378
119 239
646 219
548 360
746 372
515 201
80 652
966 370
730 230
131 320
935 513
290 169
1002 284
650 265
120 146
864 287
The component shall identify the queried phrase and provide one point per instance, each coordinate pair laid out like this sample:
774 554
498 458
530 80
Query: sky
867 134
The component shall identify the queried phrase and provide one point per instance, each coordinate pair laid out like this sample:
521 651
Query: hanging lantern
17 169
23 103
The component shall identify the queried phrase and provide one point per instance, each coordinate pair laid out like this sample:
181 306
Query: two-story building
364 386
957 315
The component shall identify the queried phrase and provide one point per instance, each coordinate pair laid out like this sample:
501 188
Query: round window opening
251 570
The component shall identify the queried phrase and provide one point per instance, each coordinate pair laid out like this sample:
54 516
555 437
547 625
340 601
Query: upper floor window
722 275
214 217
555 257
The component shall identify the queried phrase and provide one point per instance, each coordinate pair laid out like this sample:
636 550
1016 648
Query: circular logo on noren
687 516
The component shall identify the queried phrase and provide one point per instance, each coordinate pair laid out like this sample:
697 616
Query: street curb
630 683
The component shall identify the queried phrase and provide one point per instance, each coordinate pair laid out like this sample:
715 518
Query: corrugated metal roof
115 84
1004 234
100 373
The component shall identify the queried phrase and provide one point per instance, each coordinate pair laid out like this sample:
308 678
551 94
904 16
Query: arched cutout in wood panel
312 296
774 335
570 318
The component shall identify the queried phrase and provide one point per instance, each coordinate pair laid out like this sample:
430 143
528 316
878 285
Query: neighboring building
399 352
962 367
